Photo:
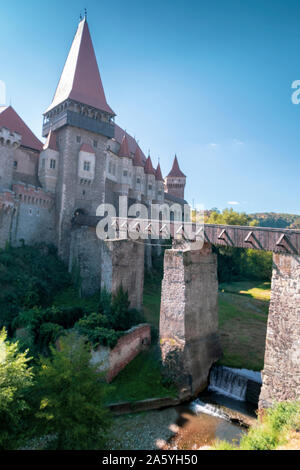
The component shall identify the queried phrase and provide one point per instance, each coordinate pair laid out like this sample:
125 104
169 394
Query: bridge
189 300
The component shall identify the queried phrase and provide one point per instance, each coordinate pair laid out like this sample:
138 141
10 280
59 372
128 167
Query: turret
175 181
159 184
150 188
48 163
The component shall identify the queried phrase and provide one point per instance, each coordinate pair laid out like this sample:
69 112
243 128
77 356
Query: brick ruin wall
112 361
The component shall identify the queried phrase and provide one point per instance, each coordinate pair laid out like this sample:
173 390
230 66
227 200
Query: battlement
29 194
9 138
7 201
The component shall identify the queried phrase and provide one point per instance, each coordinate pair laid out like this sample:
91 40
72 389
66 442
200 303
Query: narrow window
86 166
78 139
138 180
15 164
52 163
95 143
150 187
124 173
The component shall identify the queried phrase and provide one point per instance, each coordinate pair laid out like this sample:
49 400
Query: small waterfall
198 406
232 382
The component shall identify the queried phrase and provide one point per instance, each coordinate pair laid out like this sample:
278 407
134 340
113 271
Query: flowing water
203 421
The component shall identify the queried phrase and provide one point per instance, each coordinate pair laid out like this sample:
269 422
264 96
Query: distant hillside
272 219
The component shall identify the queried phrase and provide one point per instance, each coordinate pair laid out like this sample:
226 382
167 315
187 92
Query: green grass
140 379
254 289
272 431
243 314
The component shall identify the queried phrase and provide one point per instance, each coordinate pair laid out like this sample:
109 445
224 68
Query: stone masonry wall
281 374
123 264
189 317
112 361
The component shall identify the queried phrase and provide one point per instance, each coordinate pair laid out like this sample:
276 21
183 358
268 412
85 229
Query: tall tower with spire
80 123
175 181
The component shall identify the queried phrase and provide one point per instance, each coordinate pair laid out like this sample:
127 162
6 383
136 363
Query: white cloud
238 142
233 203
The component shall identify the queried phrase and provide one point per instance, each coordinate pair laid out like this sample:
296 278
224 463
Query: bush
94 327
71 398
29 276
272 430
121 317
16 380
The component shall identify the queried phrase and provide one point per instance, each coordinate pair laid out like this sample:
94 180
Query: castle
87 159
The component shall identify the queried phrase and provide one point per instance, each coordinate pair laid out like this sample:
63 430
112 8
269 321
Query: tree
16 379
230 217
71 397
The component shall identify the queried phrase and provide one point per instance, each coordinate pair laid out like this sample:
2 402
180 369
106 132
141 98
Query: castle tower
125 174
83 123
159 184
138 174
150 180
175 181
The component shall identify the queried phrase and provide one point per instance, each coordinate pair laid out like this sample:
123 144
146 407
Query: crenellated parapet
9 138
27 194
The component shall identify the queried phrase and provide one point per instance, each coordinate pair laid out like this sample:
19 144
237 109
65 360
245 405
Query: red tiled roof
50 141
138 158
176 172
124 148
148 169
132 144
12 121
158 175
80 79
87 148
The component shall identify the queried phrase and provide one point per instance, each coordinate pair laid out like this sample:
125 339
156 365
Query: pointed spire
176 172
158 175
124 149
50 142
148 169
80 79
138 159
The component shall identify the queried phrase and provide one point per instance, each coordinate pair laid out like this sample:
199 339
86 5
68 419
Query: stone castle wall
281 374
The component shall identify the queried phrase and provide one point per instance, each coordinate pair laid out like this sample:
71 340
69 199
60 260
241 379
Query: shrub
121 317
94 327
71 396
16 379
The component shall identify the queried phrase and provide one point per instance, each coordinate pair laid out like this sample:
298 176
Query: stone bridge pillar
189 317
281 374
108 264
123 264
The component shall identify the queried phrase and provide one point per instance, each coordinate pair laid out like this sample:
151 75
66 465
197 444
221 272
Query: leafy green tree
16 380
122 317
230 217
71 397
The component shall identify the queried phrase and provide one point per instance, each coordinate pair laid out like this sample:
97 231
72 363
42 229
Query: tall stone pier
281 374
108 264
189 317
123 265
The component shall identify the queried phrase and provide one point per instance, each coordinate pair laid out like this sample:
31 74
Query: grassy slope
243 313
243 310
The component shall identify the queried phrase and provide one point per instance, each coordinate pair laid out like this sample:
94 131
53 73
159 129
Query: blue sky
209 80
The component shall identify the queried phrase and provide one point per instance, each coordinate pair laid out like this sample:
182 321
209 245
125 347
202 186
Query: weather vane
85 13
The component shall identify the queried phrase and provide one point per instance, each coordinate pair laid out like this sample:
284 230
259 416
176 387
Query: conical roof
148 169
80 79
158 175
176 172
124 148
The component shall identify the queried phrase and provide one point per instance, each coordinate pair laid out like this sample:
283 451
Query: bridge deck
258 238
